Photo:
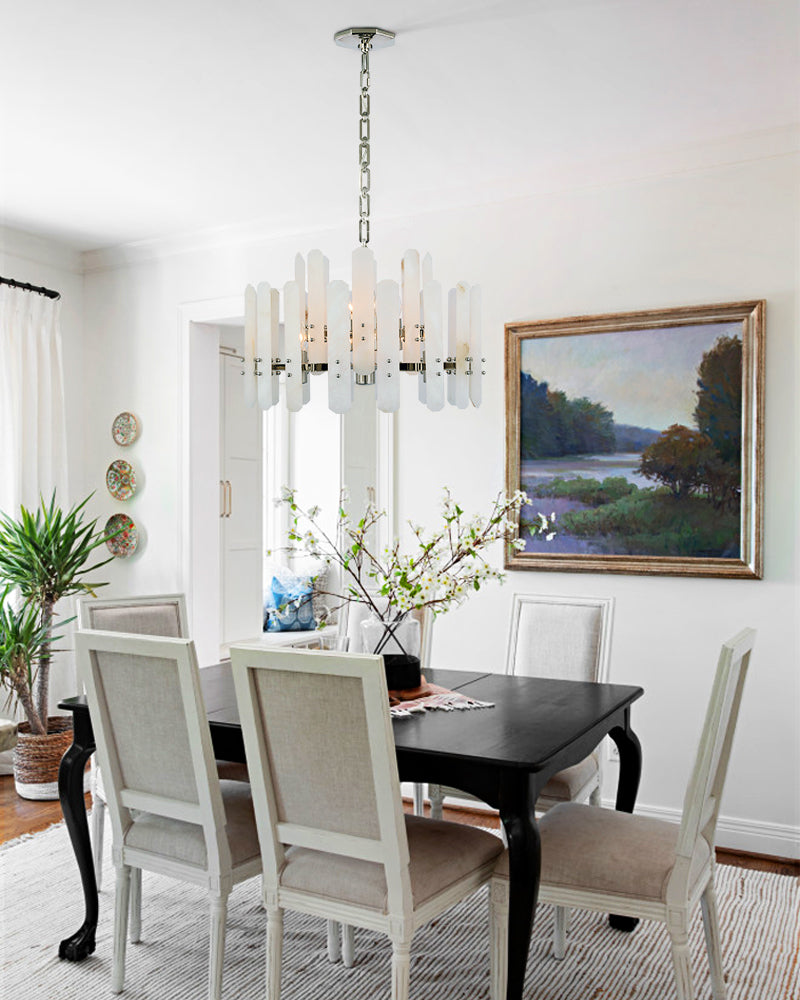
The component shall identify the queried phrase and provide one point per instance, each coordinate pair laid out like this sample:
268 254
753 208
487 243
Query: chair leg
419 799
218 913
401 969
121 904
708 906
560 933
334 944
595 797
437 801
348 946
136 906
498 938
98 825
681 961
274 952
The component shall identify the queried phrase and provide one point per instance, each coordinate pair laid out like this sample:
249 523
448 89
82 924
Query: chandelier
372 333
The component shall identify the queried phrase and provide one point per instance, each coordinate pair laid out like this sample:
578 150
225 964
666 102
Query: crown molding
550 179
36 249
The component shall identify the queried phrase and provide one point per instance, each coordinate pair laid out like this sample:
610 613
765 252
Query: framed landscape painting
643 434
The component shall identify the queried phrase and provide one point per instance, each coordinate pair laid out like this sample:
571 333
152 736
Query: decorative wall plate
123 544
120 480
125 429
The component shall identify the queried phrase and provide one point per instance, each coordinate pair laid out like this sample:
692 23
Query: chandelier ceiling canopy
372 332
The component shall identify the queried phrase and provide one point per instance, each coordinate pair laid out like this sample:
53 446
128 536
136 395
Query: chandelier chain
363 148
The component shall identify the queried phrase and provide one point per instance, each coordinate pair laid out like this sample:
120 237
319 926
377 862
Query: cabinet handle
230 497
222 499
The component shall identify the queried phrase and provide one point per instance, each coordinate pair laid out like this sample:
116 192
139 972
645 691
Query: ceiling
124 123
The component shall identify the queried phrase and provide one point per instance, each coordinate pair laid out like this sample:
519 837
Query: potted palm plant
43 558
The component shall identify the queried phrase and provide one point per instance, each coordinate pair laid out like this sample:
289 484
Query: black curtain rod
47 292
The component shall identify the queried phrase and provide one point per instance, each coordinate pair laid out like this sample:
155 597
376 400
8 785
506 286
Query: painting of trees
707 460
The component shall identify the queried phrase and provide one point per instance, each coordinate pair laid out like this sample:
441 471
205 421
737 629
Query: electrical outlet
613 752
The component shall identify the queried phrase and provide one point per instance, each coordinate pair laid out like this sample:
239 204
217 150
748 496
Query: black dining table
503 755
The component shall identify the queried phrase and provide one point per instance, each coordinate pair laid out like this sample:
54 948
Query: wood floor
20 816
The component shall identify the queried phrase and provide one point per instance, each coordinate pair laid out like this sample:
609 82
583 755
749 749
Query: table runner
431 697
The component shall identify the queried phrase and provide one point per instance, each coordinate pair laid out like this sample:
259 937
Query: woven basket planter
37 758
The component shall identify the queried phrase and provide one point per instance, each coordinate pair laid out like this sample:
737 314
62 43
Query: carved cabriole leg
121 904
401 969
136 906
679 936
437 801
274 951
560 932
218 910
98 825
630 771
334 946
524 858
348 946
498 938
708 905
70 791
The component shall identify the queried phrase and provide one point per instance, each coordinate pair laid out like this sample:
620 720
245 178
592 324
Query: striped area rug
41 903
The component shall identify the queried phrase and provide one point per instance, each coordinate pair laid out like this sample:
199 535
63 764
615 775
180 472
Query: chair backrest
560 637
704 792
321 758
353 614
157 614
152 734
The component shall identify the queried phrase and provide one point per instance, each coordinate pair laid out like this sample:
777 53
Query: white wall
51 265
719 234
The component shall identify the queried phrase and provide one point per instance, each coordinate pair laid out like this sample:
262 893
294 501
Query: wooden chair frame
85 608
592 789
390 849
699 821
218 875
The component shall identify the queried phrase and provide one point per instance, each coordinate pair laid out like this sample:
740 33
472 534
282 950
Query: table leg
524 857
630 771
70 791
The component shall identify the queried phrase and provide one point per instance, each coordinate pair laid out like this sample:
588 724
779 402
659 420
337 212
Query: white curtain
33 443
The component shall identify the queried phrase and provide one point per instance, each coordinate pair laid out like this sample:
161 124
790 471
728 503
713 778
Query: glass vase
399 644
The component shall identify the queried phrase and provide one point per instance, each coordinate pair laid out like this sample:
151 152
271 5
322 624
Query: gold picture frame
644 434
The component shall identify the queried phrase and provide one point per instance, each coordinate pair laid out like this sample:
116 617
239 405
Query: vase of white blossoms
437 571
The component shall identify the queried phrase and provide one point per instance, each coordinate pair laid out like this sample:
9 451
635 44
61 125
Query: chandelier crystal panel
372 332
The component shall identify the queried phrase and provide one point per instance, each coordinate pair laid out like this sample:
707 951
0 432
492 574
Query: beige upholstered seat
169 811
600 859
567 638
156 614
326 793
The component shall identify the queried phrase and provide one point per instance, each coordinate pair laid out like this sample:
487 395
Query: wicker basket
37 758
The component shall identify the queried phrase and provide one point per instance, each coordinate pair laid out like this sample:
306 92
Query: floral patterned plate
120 480
123 544
125 429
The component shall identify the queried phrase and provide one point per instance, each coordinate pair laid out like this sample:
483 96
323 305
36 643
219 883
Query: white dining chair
334 840
615 862
169 811
351 616
154 614
568 638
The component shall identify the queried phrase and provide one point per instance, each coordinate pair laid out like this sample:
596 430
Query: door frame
198 359
198 364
